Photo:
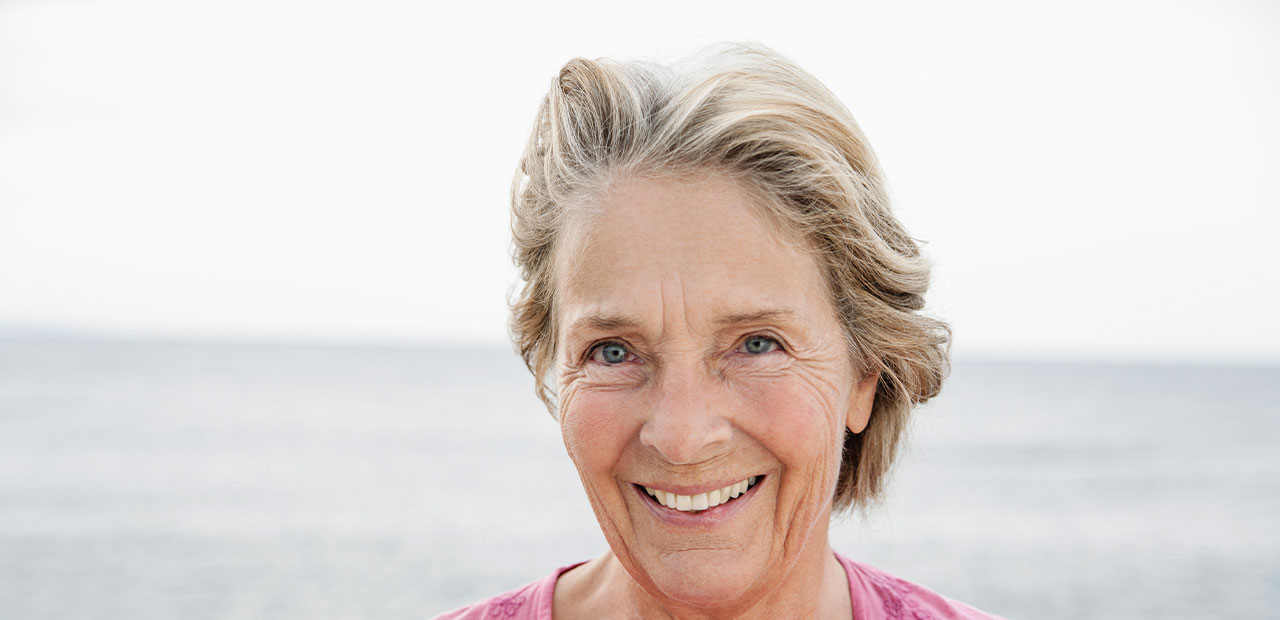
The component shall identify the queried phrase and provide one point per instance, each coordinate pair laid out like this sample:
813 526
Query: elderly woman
723 314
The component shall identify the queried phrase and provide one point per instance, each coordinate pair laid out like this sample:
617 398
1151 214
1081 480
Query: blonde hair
745 111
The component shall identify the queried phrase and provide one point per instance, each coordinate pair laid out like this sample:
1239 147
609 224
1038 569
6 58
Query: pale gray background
1093 178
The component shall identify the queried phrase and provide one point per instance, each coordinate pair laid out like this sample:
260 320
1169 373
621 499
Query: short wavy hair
744 111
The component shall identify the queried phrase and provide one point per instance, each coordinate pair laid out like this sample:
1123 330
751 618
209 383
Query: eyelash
777 344
595 349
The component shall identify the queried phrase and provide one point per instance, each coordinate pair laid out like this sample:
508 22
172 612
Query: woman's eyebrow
613 322
755 316
605 322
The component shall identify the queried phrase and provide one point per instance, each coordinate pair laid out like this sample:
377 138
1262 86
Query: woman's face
698 352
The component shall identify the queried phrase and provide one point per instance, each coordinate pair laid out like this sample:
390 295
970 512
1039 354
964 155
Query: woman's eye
757 345
610 353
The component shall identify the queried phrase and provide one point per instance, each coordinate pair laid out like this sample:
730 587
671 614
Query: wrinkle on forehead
589 208
679 243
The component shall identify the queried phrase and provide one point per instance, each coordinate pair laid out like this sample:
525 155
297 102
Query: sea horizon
155 478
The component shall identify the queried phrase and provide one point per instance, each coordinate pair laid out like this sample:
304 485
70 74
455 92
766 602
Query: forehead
700 246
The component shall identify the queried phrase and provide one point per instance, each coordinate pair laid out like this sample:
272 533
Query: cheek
595 429
793 423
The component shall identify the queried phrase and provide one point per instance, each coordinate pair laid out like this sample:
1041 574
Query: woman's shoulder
531 601
877 594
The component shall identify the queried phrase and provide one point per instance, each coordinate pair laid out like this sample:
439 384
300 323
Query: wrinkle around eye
594 372
597 375
770 363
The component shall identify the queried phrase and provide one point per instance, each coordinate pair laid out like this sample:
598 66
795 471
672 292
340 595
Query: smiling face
698 353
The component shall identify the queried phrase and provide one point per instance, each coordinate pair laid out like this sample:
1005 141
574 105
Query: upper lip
681 489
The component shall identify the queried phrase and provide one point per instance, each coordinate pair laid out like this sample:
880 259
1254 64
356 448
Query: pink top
875 594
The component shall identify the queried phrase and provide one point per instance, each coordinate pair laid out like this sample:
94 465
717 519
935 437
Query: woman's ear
861 402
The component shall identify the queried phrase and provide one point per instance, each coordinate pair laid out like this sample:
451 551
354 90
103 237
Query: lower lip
709 518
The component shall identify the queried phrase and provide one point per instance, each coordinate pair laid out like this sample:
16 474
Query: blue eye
757 345
610 353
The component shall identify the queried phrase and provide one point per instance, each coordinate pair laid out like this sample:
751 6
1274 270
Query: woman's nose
688 422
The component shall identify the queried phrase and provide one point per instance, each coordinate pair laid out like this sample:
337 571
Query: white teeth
701 501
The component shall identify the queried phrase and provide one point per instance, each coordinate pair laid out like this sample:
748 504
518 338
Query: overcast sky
1093 179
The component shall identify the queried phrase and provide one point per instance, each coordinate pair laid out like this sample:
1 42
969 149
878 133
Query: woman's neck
816 587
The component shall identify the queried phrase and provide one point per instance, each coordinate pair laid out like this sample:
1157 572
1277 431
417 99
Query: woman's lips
700 501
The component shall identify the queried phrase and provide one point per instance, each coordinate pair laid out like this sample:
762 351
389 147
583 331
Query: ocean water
148 480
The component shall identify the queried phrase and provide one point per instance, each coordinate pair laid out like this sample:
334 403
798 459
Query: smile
701 501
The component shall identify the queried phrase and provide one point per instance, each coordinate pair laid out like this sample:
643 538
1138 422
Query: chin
703 578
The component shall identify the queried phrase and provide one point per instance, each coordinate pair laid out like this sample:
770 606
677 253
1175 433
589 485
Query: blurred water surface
149 480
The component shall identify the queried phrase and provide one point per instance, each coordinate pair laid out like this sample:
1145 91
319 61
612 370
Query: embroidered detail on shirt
506 607
897 605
